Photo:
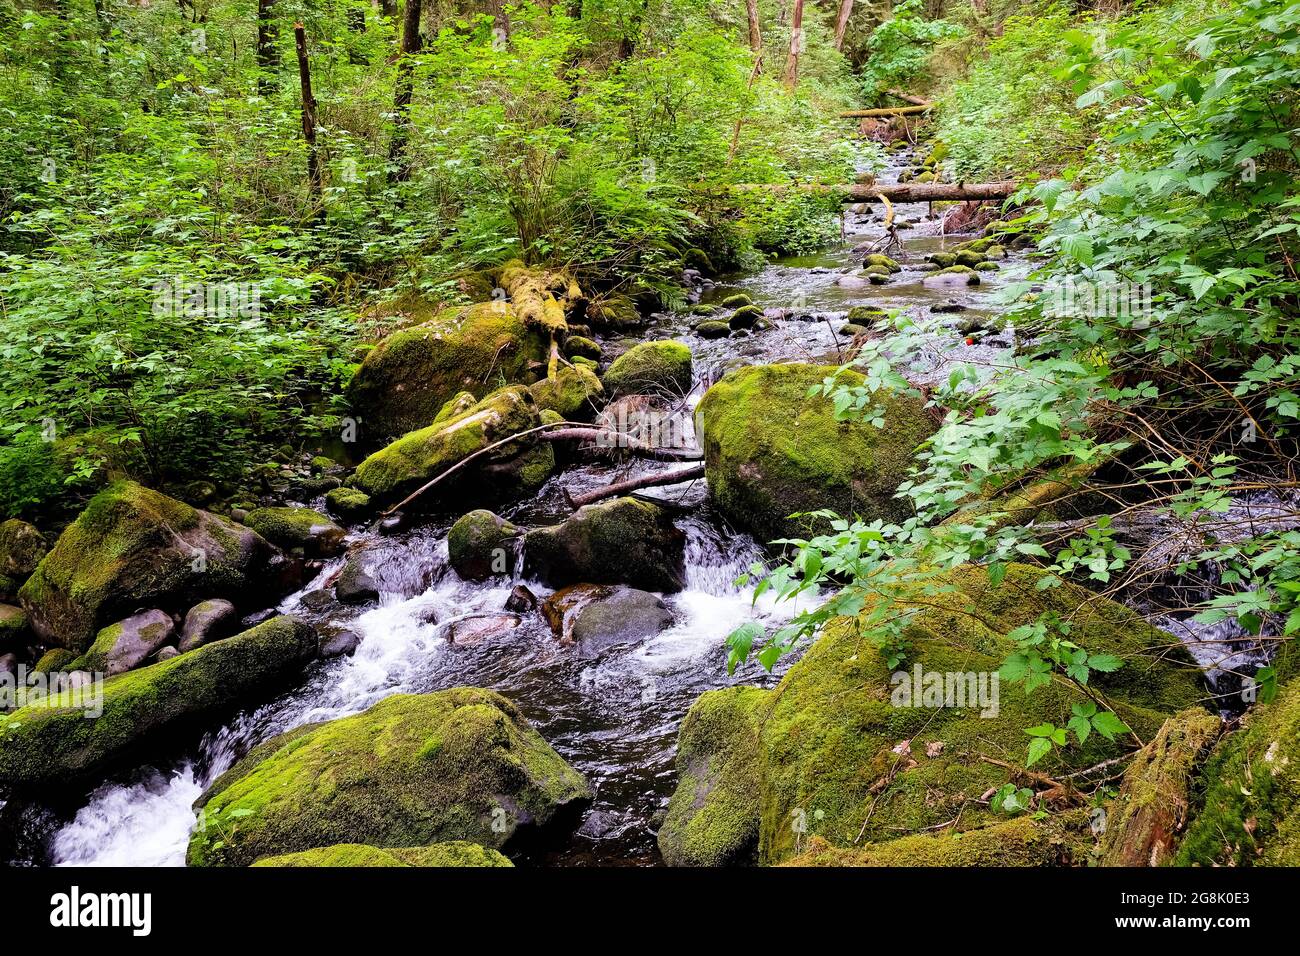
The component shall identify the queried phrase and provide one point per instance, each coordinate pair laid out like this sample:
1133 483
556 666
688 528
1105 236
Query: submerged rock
624 541
515 468
460 764
771 450
317 535
453 853
837 751
660 368
405 380
595 617
60 739
134 548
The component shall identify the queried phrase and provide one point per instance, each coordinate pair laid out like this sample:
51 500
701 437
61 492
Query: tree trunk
400 169
842 24
755 35
388 9
268 55
308 111
908 98
796 46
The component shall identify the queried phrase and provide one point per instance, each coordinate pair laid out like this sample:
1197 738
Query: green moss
54 741
131 548
624 541
348 503
1249 802
481 544
575 392
577 346
651 368
1145 820
101 651
416 458
711 819
408 377
841 762
879 261
616 312
942 259
737 301
54 661
1062 840
21 548
455 853
712 329
865 315
459 764
772 451
296 528
13 622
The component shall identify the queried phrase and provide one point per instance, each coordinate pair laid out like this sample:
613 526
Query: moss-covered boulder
575 393
615 313
54 661
481 544
878 260
660 368
350 504
1144 822
745 317
121 647
579 346
76 735
737 301
1248 802
405 380
304 528
132 548
453 853
460 764
1060 840
21 548
712 329
771 450
836 751
514 468
624 541
13 626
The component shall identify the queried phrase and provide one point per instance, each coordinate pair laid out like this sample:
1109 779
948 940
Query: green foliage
899 49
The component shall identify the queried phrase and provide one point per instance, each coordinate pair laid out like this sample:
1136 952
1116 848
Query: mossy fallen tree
910 110
901 192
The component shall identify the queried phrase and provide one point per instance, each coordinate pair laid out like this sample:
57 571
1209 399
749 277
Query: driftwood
886 111
908 98
689 473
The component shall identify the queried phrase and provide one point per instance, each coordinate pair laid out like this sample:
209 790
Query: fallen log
616 440
885 111
901 192
632 484
908 98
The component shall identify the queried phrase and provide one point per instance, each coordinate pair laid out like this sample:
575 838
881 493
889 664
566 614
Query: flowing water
614 717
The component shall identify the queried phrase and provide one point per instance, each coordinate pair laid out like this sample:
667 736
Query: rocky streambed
560 657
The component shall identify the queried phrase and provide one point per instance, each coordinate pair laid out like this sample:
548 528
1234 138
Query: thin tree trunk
656 480
308 111
796 44
268 55
842 24
400 169
755 36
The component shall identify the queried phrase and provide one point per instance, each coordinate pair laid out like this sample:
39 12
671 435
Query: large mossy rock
453 853
460 764
55 741
661 369
1249 799
624 541
406 378
575 393
771 450
827 753
304 528
132 548
513 469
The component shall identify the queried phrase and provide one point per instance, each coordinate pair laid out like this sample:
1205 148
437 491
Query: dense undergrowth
1166 167
177 299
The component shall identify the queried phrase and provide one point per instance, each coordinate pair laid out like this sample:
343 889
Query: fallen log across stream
903 192
911 110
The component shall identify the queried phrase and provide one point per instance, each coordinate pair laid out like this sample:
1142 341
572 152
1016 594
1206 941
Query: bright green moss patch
575 393
772 451
406 379
837 759
459 764
455 853
297 528
651 368
1249 811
